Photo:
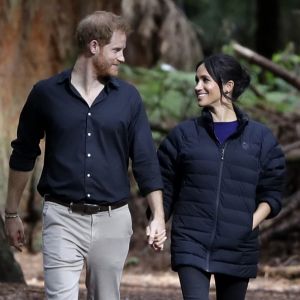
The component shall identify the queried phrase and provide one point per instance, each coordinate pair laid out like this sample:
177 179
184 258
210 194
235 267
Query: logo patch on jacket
245 145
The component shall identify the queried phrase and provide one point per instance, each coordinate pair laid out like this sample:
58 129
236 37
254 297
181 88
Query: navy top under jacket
213 189
87 149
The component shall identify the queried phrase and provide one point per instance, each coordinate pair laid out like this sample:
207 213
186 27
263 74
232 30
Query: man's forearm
16 184
155 202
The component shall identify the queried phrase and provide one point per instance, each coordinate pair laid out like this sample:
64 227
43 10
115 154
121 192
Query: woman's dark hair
222 68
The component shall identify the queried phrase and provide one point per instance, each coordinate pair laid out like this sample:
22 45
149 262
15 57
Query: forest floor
138 285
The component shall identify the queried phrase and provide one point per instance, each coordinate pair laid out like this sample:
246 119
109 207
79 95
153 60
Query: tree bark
10 270
267 18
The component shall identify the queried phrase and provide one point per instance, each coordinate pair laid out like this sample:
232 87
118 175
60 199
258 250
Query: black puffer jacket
212 191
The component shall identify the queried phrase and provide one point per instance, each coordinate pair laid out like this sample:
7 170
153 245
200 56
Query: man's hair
99 26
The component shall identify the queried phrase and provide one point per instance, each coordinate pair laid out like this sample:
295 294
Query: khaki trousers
100 240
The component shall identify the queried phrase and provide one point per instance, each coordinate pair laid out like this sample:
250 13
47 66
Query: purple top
224 129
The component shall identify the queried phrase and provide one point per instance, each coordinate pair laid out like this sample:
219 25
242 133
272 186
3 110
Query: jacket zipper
223 148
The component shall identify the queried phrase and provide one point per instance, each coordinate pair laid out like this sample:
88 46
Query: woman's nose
198 86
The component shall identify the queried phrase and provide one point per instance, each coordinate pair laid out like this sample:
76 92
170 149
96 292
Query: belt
83 207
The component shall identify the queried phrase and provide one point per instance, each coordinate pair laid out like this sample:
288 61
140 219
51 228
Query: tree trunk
10 270
267 17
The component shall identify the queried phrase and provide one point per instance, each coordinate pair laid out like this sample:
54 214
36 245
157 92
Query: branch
265 63
286 220
282 271
290 147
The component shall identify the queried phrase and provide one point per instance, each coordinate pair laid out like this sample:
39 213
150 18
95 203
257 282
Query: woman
223 175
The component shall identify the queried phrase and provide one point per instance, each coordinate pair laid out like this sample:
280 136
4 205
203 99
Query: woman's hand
156 233
261 213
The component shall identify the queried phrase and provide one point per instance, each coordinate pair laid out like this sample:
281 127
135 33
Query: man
93 123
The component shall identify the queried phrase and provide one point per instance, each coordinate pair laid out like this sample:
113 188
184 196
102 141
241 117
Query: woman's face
207 90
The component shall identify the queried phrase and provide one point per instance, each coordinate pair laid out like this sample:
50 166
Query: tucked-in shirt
224 130
87 149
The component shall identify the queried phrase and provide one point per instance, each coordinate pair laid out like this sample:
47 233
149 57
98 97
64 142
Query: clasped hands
156 233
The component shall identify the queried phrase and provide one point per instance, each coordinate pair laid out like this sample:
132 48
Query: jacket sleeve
169 166
29 133
271 180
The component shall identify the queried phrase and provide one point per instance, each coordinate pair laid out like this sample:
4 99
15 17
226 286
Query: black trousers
195 285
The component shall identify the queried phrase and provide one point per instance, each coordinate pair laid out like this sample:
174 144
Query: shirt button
88 195
89 134
89 114
89 155
88 175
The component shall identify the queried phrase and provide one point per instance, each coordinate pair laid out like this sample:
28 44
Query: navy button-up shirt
87 149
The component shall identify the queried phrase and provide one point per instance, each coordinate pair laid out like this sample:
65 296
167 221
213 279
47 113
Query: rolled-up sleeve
29 133
142 151
271 182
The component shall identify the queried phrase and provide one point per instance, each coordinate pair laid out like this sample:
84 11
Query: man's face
110 56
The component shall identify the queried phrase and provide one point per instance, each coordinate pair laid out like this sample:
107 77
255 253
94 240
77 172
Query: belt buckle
90 209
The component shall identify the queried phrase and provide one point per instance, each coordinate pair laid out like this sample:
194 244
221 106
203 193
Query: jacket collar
206 120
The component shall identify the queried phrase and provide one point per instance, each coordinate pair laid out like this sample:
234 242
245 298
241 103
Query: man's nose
121 57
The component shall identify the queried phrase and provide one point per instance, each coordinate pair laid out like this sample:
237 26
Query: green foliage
132 261
288 59
169 95
274 91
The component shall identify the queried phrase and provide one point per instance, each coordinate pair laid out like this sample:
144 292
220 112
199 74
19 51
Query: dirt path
21 292
142 286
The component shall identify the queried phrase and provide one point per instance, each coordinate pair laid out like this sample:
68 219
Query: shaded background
169 38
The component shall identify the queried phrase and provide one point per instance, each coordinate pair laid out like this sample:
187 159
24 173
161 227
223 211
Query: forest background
169 38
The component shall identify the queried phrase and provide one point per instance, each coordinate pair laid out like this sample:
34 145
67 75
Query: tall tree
267 17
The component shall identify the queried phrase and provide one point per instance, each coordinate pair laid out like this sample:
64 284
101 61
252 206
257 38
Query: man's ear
94 47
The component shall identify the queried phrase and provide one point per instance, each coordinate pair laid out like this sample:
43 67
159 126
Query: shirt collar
112 82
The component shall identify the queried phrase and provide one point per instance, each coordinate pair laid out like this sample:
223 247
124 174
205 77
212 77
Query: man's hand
15 232
156 229
13 225
156 233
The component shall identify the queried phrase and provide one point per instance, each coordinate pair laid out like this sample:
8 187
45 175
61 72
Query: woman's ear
228 87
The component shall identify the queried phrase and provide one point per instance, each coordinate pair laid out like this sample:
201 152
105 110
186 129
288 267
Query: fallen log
284 222
267 64
290 147
281 271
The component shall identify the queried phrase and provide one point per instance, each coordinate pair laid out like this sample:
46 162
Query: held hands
156 233
15 232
